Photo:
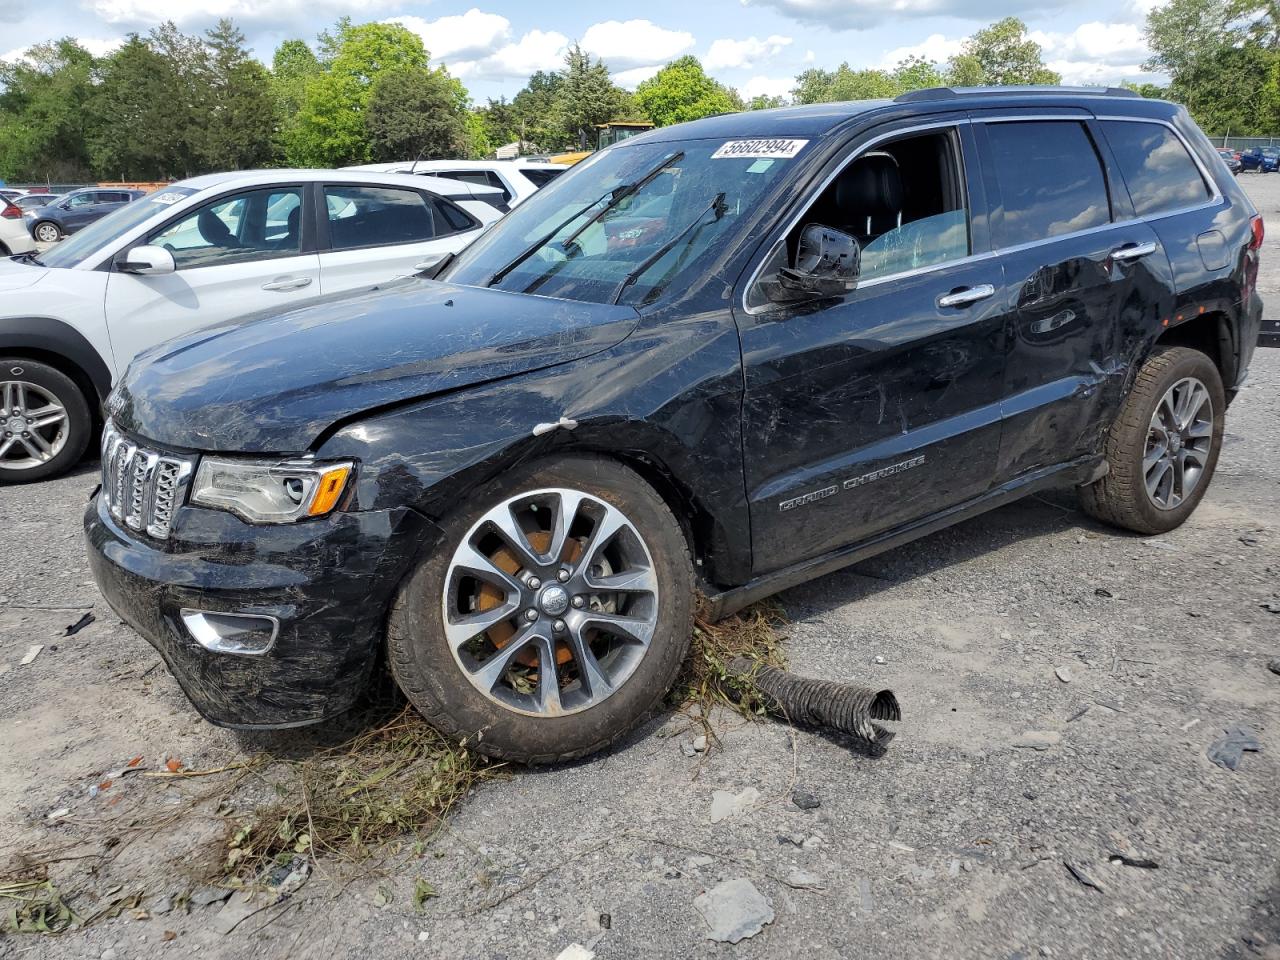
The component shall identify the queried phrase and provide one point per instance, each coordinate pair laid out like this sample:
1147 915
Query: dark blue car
1260 159
77 209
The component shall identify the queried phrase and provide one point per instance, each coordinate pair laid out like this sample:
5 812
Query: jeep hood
273 383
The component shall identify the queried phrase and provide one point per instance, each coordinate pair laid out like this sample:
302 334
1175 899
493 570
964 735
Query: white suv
193 254
14 235
517 179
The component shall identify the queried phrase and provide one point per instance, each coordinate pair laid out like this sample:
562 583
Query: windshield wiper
717 205
614 196
28 257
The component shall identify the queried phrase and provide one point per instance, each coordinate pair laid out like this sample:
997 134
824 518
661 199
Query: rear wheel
1163 447
46 231
44 421
555 616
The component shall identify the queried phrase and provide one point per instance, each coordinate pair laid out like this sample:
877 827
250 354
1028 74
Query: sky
757 46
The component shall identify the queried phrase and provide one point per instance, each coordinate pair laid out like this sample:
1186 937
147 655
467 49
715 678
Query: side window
243 227
904 202
1050 177
79 200
451 218
1159 172
540 178
376 216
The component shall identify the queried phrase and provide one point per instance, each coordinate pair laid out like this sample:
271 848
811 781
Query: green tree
764 102
816 85
585 96
917 73
240 109
417 113
331 128
293 66
44 115
1001 55
682 91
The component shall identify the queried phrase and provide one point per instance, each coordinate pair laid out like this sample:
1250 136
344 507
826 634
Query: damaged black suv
722 357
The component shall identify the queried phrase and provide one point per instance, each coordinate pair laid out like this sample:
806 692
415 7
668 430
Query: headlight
279 492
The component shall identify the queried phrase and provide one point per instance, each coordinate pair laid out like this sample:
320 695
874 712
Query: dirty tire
1120 498
46 231
79 419
425 668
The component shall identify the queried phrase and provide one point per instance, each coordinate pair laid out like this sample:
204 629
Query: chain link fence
1243 143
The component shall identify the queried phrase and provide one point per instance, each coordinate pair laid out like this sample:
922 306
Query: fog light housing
241 634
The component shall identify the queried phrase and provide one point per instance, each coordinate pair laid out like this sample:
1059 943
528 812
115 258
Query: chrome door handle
966 295
287 283
1133 251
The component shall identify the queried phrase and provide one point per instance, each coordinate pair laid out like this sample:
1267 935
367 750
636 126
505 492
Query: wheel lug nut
531 614
578 602
558 626
533 583
563 576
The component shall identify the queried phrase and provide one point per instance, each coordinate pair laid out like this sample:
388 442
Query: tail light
1255 225
11 212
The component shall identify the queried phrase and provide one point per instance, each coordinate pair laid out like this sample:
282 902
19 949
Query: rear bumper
17 240
328 583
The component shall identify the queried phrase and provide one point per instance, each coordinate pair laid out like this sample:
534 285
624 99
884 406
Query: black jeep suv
725 357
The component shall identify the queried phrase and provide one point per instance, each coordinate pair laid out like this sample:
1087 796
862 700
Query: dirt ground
953 845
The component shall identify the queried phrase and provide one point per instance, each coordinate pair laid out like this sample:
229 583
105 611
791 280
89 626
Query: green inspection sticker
760 166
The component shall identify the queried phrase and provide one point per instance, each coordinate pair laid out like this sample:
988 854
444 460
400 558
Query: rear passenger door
1079 269
371 234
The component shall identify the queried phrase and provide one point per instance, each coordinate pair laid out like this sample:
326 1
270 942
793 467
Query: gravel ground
953 845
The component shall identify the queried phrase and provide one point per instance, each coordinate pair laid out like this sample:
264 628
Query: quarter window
1051 180
376 216
1159 172
255 225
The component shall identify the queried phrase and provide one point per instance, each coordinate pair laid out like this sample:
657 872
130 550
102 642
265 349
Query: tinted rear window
1051 180
1159 172
540 178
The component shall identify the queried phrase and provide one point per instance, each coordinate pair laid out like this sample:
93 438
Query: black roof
818 119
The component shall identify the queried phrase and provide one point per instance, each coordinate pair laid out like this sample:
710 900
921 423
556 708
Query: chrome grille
142 487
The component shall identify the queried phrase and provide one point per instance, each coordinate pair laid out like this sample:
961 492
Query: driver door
865 412
237 254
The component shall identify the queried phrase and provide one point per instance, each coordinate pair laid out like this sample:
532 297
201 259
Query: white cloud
534 51
1094 42
95 45
934 47
729 54
147 12
630 79
635 43
468 36
864 14
762 86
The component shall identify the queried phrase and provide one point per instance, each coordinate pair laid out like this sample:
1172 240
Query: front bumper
328 583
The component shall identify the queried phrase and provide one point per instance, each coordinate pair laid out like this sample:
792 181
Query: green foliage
43 112
1001 55
844 83
241 107
415 112
682 91
586 96
762 102
1222 60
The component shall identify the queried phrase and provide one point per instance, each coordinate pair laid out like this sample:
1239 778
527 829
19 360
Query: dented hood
274 383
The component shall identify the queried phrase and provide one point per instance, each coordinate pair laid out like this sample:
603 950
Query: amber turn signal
332 483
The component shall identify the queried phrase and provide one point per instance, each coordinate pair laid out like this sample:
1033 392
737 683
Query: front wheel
1163 447
45 422
47 232
554 617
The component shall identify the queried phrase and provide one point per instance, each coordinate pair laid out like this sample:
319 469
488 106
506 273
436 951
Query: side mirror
432 266
827 264
146 261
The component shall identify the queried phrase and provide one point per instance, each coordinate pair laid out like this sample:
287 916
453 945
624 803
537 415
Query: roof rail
951 93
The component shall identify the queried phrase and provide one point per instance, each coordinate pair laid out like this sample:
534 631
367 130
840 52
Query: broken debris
74 628
1274 665
802 879
1078 871
725 804
1227 751
1038 739
734 910
1063 674
805 800
33 651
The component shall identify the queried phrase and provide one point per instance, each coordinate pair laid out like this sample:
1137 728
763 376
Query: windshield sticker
767 149
760 166
167 198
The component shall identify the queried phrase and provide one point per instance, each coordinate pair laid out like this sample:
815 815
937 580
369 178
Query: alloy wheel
33 425
550 602
46 233
1179 441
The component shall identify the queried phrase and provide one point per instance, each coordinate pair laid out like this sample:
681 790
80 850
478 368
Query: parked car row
518 180
720 357
1260 159
26 218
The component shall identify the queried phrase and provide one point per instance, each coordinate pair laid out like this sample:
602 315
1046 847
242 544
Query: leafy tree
241 110
1001 55
917 73
763 102
586 96
44 117
682 91
417 113
293 66
331 128
816 85
537 114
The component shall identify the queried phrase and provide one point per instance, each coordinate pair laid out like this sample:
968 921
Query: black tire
1120 498
35 230
79 419
426 670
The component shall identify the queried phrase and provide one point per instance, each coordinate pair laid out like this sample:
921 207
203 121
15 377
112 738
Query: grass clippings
33 905
753 634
